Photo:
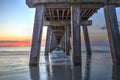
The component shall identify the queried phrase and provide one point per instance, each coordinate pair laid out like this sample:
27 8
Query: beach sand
15 67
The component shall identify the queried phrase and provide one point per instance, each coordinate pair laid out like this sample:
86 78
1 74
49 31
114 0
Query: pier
64 19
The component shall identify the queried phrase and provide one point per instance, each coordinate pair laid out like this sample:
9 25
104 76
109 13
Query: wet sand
99 67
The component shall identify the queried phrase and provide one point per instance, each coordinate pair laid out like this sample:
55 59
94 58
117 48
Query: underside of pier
64 19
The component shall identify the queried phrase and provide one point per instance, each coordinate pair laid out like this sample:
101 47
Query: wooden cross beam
64 23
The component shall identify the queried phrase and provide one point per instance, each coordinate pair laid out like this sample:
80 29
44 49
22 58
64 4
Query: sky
16 24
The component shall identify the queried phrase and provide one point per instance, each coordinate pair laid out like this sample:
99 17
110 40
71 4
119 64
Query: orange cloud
15 43
18 43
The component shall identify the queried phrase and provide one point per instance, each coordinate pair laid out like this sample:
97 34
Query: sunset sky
16 24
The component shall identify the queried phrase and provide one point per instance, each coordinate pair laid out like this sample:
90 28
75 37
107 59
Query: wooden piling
75 35
87 41
50 41
62 42
47 41
53 42
37 34
67 40
113 32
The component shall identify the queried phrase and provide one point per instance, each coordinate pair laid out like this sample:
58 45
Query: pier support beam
37 34
62 42
113 32
53 42
47 41
75 35
50 40
67 40
87 41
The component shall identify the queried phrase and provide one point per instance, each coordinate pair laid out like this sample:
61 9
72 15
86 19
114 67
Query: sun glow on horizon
15 43
19 37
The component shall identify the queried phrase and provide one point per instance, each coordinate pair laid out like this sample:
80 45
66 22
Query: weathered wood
58 31
53 42
64 23
87 41
62 42
75 35
47 41
113 32
50 41
37 34
67 3
86 23
67 40
57 1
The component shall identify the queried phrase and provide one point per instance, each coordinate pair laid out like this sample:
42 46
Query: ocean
14 65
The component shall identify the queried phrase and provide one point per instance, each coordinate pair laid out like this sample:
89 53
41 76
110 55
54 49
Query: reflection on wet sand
87 68
64 72
34 72
76 73
68 72
60 72
116 72
55 72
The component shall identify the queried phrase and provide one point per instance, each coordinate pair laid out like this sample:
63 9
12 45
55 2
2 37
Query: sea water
14 65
